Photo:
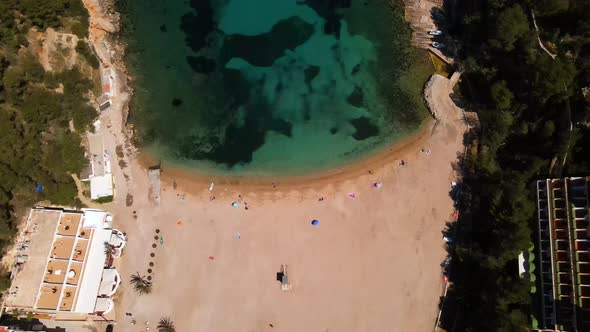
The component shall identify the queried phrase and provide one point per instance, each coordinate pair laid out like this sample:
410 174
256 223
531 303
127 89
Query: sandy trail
373 264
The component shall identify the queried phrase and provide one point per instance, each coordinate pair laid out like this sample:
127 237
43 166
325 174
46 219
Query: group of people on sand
402 163
427 151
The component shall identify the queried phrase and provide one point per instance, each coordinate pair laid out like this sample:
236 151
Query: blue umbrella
315 222
39 188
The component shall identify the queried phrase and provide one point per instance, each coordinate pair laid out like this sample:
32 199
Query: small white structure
101 186
104 305
118 239
109 283
108 81
521 265
99 174
96 219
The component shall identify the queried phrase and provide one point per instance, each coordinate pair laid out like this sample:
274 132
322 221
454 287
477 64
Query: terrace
564 252
67 299
80 250
49 296
69 224
62 247
25 285
74 273
109 283
56 271
67 272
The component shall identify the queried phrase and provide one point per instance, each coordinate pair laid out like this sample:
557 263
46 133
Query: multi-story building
564 254
63 265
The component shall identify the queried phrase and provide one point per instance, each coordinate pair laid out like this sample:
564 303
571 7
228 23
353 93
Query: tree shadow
24 324
454 233
441 22
439 17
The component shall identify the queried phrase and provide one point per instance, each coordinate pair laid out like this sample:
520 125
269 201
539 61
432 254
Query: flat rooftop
41 225
63 270
96 151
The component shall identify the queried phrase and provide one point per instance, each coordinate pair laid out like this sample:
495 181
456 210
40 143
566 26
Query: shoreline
191 180
104 25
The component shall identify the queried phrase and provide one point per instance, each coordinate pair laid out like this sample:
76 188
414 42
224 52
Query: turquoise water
266 87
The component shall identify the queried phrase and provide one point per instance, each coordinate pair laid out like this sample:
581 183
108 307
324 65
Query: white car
435 33
438 45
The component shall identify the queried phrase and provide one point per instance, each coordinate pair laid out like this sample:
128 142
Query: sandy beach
372 264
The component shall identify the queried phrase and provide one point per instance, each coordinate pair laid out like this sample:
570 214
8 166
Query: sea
268 87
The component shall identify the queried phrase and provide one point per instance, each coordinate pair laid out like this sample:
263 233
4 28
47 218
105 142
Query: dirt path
81 196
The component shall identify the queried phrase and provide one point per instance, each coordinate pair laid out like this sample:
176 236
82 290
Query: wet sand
194 181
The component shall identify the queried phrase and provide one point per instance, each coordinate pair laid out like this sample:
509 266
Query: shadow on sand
27 324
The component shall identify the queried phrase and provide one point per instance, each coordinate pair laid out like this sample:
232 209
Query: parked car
435 33
438 45
110 328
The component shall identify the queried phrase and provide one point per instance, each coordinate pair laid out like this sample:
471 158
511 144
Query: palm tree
166 325
140 284
109 249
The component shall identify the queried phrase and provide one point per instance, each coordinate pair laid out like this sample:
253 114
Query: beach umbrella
315 222
38 188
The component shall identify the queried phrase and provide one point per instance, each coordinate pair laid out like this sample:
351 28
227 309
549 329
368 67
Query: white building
108 81
62 268
99 173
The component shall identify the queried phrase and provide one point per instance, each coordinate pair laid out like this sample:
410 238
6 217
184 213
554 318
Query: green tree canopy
501 95
550 7
512 24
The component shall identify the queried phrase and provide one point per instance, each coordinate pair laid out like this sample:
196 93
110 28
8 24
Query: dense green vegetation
105 199
525 101
37 109
82 48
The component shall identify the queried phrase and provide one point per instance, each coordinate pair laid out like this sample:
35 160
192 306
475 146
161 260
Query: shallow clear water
265 87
